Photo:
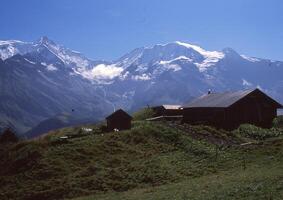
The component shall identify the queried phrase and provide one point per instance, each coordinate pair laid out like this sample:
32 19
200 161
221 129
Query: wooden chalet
230 109
119 120
167 110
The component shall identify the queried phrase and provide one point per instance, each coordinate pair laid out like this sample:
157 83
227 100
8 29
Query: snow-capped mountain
12 47
174 72
41 79
46 47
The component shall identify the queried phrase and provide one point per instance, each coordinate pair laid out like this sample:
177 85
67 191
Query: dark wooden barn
119 120
230 109
167 110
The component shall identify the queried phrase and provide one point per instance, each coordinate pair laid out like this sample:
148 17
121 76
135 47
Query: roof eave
205 107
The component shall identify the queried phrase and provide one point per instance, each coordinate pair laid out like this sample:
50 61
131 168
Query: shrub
254 132
278 122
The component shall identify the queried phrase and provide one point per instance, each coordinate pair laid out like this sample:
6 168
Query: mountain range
41 79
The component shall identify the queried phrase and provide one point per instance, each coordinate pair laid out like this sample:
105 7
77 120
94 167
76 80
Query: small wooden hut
119 120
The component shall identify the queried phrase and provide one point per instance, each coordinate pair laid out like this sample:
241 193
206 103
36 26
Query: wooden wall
121 123
161 111
253 109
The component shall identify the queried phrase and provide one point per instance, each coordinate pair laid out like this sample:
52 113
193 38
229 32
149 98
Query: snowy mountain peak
141 64
155 60
45 40
72 59
230 51
166 53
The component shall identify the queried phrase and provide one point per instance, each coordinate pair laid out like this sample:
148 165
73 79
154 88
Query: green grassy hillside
154 160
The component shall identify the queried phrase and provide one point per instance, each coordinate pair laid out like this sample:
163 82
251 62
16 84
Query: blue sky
107 29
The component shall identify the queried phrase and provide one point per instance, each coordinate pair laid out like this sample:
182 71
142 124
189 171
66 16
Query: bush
278 122
254 132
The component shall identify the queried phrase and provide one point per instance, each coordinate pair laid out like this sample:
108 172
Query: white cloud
103 71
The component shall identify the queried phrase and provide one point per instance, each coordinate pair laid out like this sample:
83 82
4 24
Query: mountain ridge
44 79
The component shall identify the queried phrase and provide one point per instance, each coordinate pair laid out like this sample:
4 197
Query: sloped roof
171 107
168 107
119 113
221 100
